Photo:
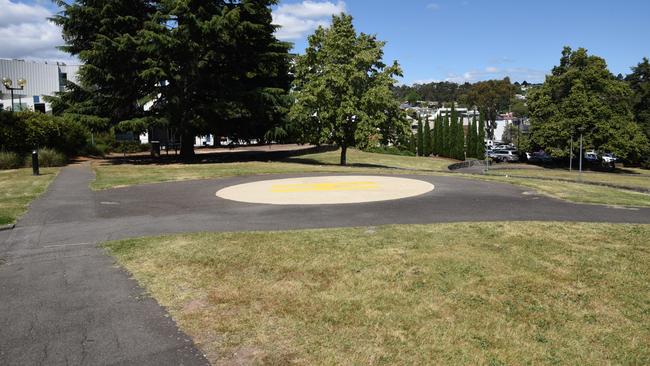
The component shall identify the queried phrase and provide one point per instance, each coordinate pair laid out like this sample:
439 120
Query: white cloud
433 6
298 19
491 72
27 34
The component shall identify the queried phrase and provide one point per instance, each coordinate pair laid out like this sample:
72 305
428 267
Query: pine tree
445 135
480 143
427 138
412 144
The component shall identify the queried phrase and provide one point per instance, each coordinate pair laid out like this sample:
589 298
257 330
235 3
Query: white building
43 79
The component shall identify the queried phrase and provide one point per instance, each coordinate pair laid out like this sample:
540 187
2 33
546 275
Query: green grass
479 293
18 188
112 176
640 181
576 192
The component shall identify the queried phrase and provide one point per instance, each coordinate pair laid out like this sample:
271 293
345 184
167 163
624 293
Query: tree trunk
344 151
187 146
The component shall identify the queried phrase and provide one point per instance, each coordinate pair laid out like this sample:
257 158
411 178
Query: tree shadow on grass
218 157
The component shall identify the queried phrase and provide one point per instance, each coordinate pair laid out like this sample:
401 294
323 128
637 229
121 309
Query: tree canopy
582 95
206 67
342 90
639 81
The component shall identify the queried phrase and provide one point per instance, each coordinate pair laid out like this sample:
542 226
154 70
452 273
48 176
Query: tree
420 138
582 95
471 138
342 88
205 66
480 143
427 138
445 136
104 36
491 97
437 129
639 81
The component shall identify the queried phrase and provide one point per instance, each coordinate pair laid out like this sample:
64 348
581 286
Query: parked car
609 158
503 155
538 157
591 156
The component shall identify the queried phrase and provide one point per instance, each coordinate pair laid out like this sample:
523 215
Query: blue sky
456 40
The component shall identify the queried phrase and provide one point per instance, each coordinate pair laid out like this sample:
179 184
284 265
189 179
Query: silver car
503 155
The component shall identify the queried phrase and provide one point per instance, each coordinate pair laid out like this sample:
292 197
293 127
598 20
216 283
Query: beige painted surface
326 190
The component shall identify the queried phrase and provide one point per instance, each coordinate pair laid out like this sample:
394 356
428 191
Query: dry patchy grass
18 187
479 293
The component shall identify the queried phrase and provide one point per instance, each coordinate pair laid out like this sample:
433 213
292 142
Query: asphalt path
63 301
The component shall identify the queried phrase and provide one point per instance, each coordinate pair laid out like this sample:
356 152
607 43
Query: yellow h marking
320 187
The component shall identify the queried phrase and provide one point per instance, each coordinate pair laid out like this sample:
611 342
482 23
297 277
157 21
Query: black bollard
35 162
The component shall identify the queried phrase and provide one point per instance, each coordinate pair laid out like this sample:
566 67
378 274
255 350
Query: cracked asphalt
63 301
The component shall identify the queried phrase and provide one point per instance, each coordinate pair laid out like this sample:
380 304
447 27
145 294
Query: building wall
43 78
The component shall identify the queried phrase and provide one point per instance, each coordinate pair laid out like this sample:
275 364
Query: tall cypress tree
445 136
420 139
460 139
480 143
471 138
427 138
436 135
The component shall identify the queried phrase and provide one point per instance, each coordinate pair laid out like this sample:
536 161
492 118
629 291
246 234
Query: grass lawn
576 192
479 293
640 180
112 176
18 188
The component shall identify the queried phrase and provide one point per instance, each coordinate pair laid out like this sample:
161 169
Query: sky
442 40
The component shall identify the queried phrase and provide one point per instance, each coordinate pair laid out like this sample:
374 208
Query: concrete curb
7 227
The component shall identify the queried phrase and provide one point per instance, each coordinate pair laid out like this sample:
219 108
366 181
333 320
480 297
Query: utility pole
571 153
582 129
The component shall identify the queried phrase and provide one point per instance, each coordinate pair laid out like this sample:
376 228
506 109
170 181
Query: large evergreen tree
342 88
639 81
427 138
581 94
208 67
480 141
437 128
420 138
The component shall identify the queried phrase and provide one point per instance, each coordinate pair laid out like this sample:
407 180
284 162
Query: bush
390 150
99 150
49 158
10 160
21 132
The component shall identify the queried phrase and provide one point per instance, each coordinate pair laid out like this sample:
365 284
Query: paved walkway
64 302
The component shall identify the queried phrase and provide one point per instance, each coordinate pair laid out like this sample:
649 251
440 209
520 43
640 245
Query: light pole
21 86
582 129
571 154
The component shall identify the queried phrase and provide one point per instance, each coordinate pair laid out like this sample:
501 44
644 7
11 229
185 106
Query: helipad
326 190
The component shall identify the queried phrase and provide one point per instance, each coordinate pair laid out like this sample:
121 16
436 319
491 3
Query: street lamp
21 86
582 130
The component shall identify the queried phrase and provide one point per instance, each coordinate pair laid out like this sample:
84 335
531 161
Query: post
581 154
35 167
20 102
571 155
12 99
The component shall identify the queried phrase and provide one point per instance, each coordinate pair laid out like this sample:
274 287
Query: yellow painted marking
321 187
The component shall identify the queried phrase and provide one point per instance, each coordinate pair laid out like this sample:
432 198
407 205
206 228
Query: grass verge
112 176
480 293
576 192
639 181
18 188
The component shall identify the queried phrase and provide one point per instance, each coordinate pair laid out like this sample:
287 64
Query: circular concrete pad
326 190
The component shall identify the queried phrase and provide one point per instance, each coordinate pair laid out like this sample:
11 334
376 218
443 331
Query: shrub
49 158
10 160
21 132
